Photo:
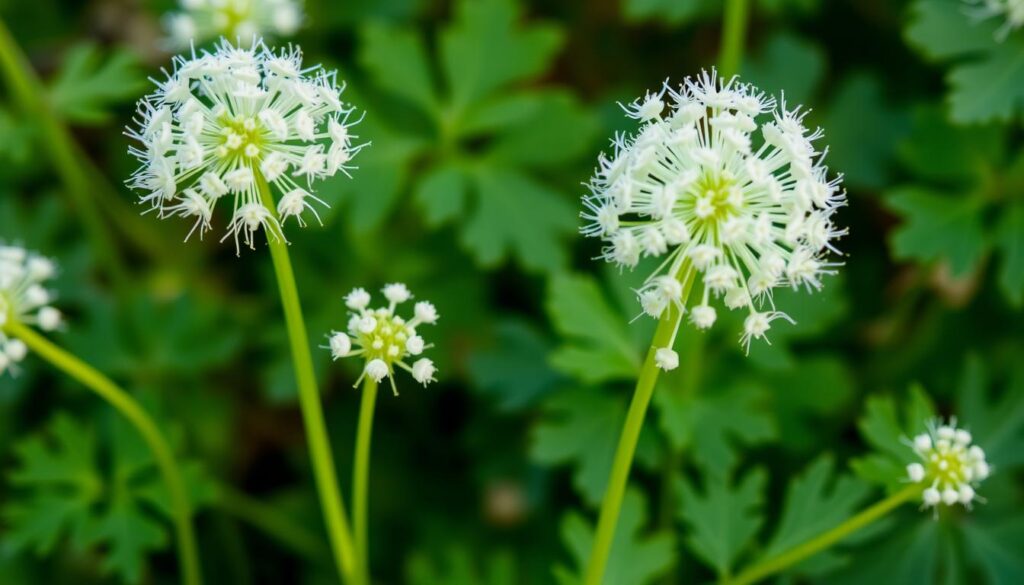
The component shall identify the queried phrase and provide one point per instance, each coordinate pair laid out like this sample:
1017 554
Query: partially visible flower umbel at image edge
236 121
951 468
725 186
24 299
384 339
201 20
1011 12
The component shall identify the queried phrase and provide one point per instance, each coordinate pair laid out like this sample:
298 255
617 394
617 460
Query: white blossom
1011 12
231 123
24 299
950 467
198 21
382 338
728 191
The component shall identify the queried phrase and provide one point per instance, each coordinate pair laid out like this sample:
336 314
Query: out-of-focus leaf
399 62
861 130
1009 239
461 566
89 85
817 500
724 519
515 370
637 556
937 150
987 80
787 65
598 345
938 227
883 427
712 426
996 419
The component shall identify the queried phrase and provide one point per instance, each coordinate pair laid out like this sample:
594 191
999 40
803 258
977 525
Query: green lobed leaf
638 556
397 60
88 85
787 64
724 519
937 227
888 430
597 342
514 371
991 88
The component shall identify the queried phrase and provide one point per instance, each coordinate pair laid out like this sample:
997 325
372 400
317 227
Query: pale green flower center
387 340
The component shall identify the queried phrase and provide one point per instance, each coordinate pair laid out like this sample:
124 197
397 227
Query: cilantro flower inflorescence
202 20
235 122
24 299
383 338
723 182
950 468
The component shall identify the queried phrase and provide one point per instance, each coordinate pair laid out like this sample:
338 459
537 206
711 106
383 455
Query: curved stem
137 416
361 473
267 519
611 504
734 32
309 400
824 540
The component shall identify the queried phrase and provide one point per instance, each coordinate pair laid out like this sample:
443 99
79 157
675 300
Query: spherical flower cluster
244 122
202 20
24 299
384 339
951 467
727 190
1012 11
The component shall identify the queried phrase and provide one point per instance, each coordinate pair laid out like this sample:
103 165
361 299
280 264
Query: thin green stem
137 416
361 473
332 507
734 33
611 504
27 91
271 522
824 540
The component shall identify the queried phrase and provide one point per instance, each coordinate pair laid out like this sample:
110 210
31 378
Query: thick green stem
137 416
361 473
611 504
27 91
824 540
332 507
271 522
734 33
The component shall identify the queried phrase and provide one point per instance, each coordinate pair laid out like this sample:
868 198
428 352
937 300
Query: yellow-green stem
361 473
734 33
137 416
331 504
824 540
611 504
272 522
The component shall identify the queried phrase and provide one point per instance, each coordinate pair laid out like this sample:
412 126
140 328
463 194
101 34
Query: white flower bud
341 345
396 293
915 471
666 359
358 299
414 345
426 313
423 371
377 369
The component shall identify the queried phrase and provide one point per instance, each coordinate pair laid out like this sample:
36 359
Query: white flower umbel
951 467
1011 11
721 180
202 20
225 123
383 339
24 299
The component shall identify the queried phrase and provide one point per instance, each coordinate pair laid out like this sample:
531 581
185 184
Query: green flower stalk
254 126
386 342
725 187
24 304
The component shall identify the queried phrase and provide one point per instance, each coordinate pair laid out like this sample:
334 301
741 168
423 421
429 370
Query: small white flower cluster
235 122
202 20
950 465
24 299
707 185
1010 10
384 339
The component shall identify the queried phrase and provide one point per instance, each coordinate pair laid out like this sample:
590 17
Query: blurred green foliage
485 117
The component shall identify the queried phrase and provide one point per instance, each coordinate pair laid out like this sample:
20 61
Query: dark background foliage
469 194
